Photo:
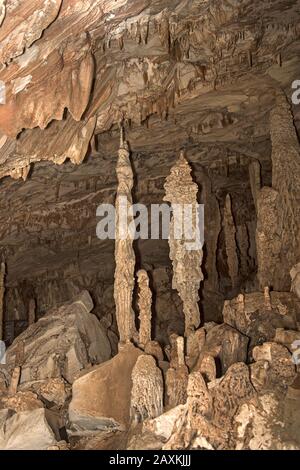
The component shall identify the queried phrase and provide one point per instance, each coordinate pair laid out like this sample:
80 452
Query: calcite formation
185 229
145 307
230 242
124 253
278 215
147 390
211 361
2 291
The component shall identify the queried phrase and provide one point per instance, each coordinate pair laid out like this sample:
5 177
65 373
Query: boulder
28 430
101 396
60 344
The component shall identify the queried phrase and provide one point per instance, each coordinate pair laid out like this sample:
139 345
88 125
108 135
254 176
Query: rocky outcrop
27 430
61 343
259 318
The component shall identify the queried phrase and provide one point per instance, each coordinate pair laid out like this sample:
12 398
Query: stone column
278 224
124 253
181 192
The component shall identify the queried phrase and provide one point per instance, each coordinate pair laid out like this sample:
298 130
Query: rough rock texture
278 216
145 307
92 393
61 343
147 390
250 314
124 253
185 240
27 430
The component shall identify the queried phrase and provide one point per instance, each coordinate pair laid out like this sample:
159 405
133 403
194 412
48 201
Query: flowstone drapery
181 192
2 289
144 303
147 390
124 253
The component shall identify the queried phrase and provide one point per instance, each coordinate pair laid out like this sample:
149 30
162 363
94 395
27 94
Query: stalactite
147 390
255 180
124 253
181 191
230 242
145 304
2 290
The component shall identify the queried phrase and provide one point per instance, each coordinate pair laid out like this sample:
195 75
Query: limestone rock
28 430
251 315
61 343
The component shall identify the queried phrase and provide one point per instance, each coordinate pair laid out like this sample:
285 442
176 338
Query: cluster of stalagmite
124 253
2 289
230 242
185 240
145 306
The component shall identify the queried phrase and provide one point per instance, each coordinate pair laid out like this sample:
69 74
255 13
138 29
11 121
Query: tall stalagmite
2 289
230 242
278 225
186 257
124 253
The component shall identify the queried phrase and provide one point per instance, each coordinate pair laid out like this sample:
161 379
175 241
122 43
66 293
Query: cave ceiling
175 71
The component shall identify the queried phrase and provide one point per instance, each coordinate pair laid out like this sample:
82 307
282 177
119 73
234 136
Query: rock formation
145 305
185 228
278 207
147 390
213 361
2 291
230 242
124 253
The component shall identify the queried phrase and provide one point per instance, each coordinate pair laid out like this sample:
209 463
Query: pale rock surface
101 396
61 343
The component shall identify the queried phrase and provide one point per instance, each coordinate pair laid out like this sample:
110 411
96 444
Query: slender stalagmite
144 303
181 192
2 289
124 253
230 242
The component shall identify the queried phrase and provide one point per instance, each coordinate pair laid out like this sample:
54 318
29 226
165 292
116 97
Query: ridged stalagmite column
2 289
124 253
181 192
144 303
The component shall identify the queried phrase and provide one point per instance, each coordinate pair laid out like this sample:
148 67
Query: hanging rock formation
181 192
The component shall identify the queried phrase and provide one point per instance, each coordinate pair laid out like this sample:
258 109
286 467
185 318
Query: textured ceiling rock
105 60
